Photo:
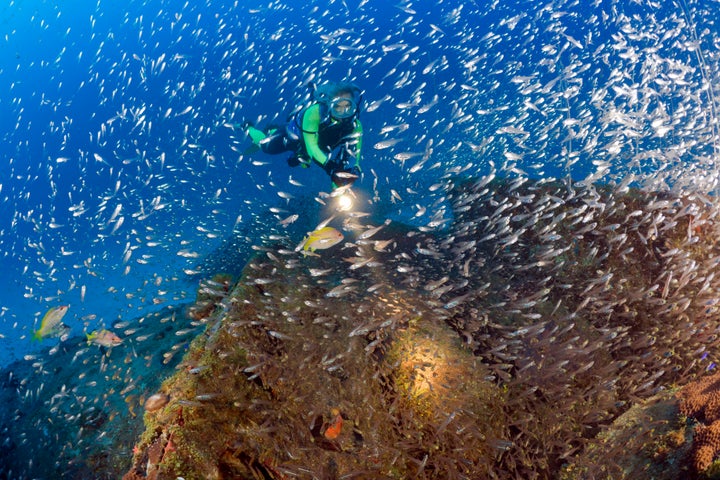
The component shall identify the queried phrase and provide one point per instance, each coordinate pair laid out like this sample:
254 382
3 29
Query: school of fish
540 178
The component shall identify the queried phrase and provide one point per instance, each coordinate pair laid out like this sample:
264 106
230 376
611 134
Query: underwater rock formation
288 381
650 440
444 353
86 400
675 434
404 352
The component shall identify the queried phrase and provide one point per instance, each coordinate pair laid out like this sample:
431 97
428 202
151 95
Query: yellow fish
321 239
51 324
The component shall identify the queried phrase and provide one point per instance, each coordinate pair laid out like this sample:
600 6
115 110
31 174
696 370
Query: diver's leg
255 134
276 142
272 139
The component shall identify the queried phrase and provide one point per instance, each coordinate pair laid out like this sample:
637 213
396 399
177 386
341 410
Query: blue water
118 173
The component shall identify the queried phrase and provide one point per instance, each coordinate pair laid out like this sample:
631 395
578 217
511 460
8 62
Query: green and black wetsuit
312 134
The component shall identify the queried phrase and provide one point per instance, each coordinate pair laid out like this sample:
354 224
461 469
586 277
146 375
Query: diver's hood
326 92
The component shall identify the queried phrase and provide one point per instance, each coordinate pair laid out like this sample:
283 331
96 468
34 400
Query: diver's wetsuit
315 137
311 135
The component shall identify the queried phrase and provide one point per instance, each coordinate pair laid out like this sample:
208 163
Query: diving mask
342 107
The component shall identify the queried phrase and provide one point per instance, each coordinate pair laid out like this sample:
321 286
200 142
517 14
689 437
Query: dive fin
251 149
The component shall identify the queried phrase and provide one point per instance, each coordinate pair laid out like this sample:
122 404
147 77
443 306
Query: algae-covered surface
650 440
289 382
87 400
389 357
517 341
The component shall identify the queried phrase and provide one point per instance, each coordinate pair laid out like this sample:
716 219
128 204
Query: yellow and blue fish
51 324
321 239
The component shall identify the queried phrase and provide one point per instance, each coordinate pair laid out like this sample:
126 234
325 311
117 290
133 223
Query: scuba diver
328 132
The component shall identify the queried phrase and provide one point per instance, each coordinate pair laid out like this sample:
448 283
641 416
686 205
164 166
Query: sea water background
119 173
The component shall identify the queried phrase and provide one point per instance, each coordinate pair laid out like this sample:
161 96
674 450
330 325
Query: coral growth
444 354
701 400
289 382
208 294
706 446
412 353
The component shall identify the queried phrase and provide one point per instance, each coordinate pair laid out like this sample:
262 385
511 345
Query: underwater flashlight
344 202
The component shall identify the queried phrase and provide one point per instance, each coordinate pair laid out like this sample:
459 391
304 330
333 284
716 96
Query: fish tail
36 337
90 337
308 243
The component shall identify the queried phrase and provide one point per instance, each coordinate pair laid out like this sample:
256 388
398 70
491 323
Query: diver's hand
346 176
335 161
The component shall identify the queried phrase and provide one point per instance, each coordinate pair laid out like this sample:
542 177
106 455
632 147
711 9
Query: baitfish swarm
535 225
457 343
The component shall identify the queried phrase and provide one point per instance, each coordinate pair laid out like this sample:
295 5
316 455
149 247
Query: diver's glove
296 161
339 159
335 160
